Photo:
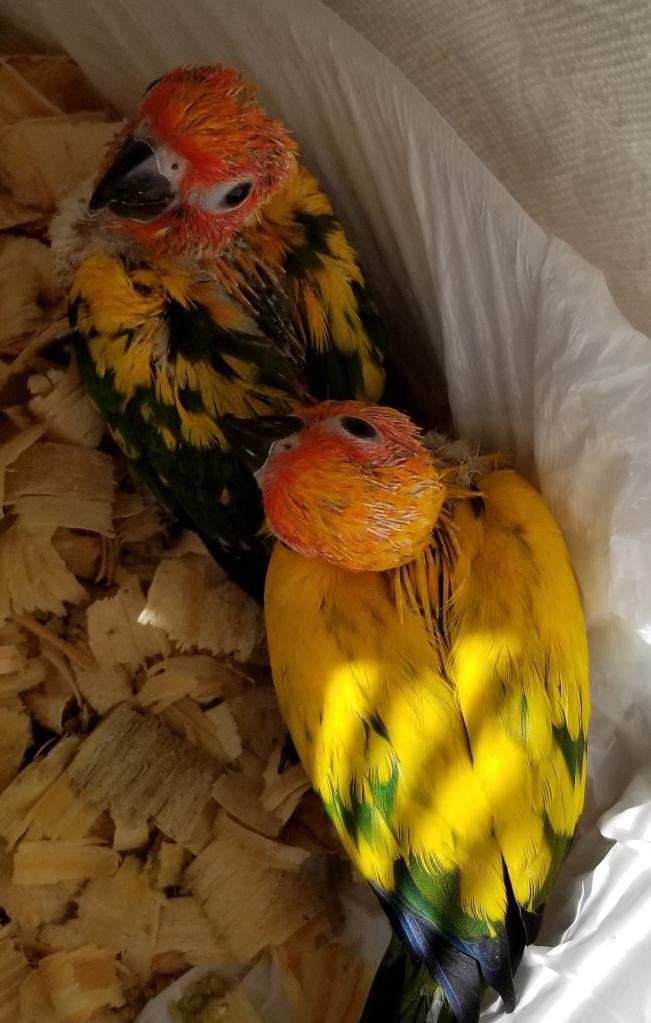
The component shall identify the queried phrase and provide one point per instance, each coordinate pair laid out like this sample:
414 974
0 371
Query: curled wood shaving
26 676
12 449
198 608
223 721
50 701
258 720
250 889
212 678
60 401
199 728
35 577
18 97
61 813
129 835
80 552
166 864
135 765
163 688
54 484
82 982
186 936
282 792
123 913
49 862
239 791
32 906
15 214
203 831
116 633
103 688
314 969
19 800
28 355
74 653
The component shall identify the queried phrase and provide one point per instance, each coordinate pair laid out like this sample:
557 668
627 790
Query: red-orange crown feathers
211 117
357 487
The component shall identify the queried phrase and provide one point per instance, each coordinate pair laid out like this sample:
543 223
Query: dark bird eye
237 194
360 428
152 84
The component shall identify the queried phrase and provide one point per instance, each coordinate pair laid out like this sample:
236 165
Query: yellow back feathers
443 720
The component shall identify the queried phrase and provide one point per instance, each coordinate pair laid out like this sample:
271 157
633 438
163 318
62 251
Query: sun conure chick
210 276
429 654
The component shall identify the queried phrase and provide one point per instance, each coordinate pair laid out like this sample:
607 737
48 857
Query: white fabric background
538 361
555 97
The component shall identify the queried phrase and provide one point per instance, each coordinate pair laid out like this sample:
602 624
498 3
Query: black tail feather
402 991
460 967
456 972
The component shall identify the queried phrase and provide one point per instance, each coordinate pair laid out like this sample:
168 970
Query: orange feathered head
197 161
355 486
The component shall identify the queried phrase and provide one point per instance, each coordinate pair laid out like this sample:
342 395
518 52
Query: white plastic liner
539 362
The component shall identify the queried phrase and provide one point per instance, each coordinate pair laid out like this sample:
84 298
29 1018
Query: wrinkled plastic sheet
538 362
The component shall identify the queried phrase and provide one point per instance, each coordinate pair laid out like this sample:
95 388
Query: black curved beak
133 186
252 439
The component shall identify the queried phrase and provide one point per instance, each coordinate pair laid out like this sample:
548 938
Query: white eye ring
228 196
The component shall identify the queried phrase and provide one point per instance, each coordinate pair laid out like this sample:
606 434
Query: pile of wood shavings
144 828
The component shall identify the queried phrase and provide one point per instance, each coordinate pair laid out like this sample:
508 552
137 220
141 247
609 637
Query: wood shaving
32 906
120 913
186 937
137 767
116 633
50 862
192 601
27 285
166 864
60 401
61 813
282 793
104 688
14 970
82 982
43 158
249 887
25 677
313 971
57 80
80 552
20 799
34 999
239 791
15 736
11 660
200 729
35 577
61 485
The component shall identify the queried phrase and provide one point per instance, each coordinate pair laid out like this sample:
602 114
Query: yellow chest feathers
124 317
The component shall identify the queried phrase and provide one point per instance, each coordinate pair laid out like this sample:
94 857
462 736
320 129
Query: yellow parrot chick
429 653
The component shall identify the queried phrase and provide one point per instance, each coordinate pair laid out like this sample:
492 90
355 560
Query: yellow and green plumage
180 321
439 707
